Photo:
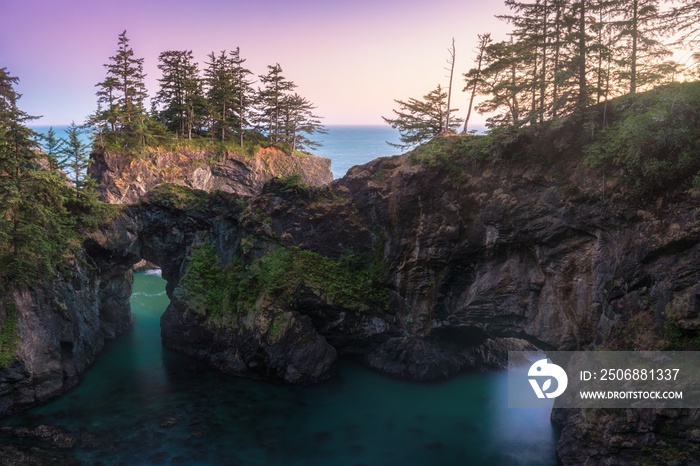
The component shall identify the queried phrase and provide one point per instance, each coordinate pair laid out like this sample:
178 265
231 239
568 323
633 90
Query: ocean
344 145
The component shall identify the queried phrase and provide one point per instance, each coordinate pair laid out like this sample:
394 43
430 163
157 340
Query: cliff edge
124 179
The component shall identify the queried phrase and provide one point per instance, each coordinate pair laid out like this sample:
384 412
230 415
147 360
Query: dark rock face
521 254
479 261
62 326
299 355
628 437
125 180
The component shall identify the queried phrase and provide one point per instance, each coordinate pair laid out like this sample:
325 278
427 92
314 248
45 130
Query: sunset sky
351 58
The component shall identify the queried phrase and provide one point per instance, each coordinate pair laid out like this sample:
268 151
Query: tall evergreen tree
243 92
221 94
34 225
419 121
501 83
639 25
299 122
270 99
180 92
52 148
121 96
75 158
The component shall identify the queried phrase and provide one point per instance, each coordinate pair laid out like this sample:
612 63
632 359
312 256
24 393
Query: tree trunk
583 91
451 61
543 79
483 42
555 67
633 58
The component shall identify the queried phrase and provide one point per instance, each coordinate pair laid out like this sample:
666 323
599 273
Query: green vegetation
654 138
204 282
450 151
419 121
42 216
353 282
9 338
177 197
562 58
289 184
650 140
219 106
678 339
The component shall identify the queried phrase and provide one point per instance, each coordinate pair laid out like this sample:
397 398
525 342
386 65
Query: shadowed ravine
143 404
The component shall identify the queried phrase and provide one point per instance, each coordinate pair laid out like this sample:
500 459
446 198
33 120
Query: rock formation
62 326
124 180
421 265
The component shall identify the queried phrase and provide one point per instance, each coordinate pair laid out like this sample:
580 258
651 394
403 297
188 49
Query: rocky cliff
423 266
125 179
61 326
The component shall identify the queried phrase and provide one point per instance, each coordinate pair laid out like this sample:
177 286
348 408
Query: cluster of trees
218 102
564 55
41 212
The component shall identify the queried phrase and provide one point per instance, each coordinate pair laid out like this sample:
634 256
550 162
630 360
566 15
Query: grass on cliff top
651 141
177 197
253 142
353 282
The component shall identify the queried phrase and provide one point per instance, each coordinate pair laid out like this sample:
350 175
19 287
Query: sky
350 58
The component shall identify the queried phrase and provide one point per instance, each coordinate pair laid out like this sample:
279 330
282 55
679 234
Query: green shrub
354 282
204 281
178 197
9 338
655 138
289 184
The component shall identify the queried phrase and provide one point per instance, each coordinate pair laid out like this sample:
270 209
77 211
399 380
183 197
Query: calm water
344 145
147 405
347 146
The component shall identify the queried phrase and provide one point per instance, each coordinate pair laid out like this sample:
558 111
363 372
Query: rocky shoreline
467 262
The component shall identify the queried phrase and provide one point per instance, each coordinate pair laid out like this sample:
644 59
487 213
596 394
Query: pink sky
351 58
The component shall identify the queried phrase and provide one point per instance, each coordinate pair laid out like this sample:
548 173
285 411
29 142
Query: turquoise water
147 405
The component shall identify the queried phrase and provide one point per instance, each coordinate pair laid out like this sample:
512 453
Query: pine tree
243 92
638 27
122 95
75 157
180 92
502 84
52 148
35 228
221 94
299 122
601 49
270 99
535 33
419 121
